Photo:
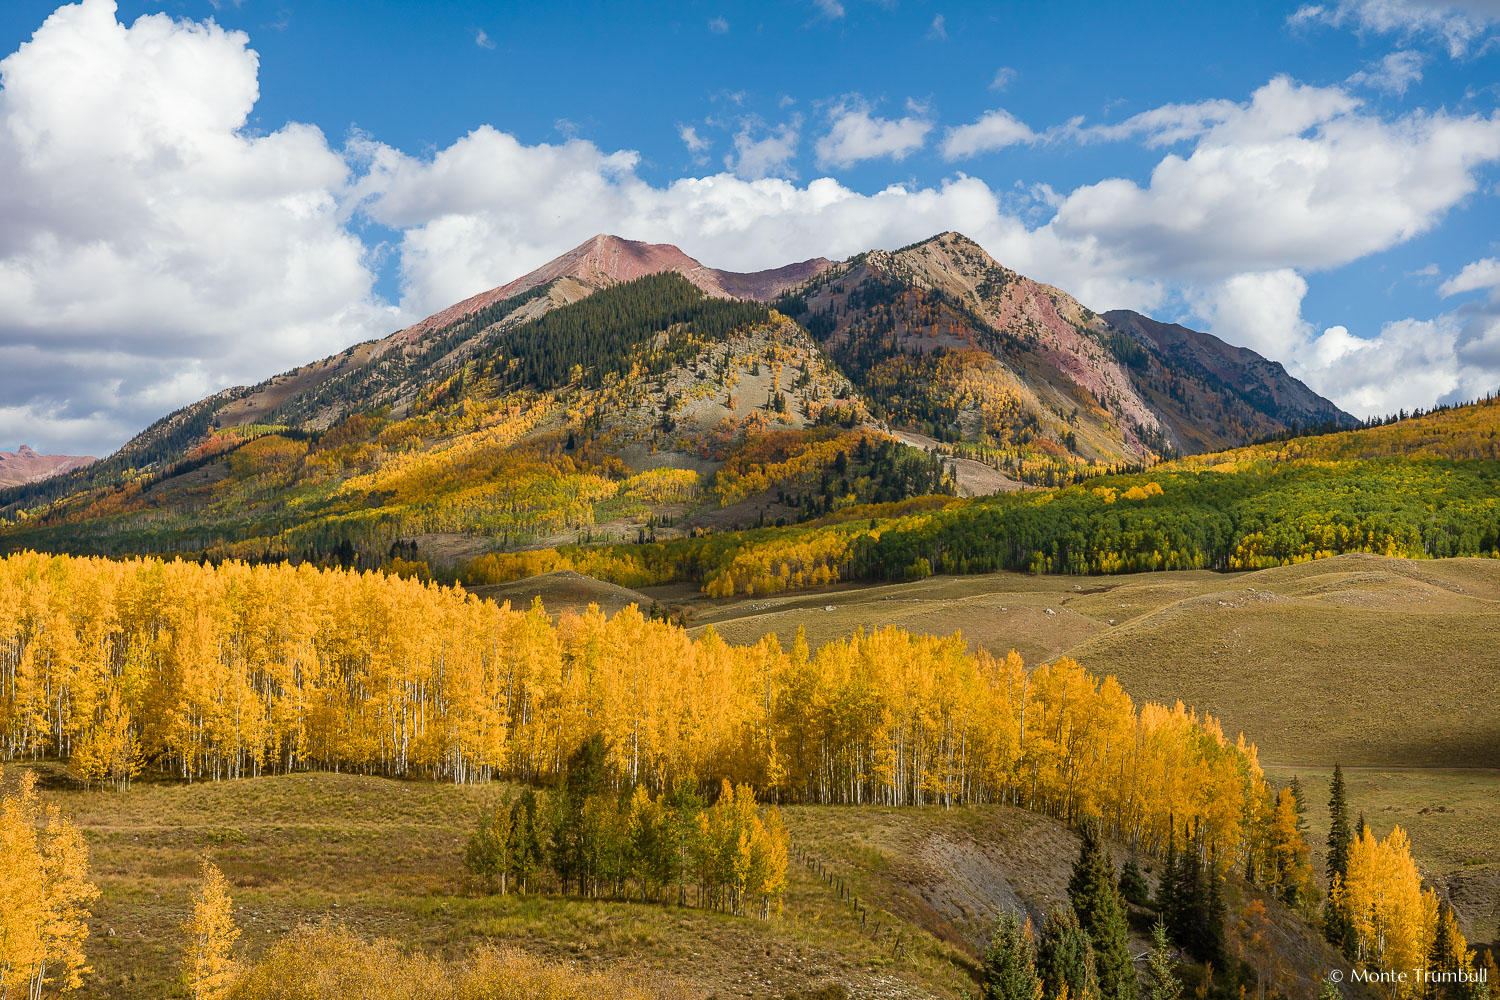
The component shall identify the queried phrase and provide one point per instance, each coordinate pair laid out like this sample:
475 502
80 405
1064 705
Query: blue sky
205 198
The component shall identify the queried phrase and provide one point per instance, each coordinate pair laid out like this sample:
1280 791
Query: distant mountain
529 413
942 337
29 466
1263 384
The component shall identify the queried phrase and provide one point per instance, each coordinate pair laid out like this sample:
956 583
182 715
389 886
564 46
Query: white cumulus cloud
993 130
855 135
1393 74
1407 363
1298 177
1483 273
153 251
1259 310
771 154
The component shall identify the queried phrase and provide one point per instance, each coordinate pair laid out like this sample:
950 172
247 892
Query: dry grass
384 859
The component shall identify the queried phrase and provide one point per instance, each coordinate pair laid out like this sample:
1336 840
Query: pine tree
1189 899
1212 950
578 835
1133 884
1339 836
1439 958
1166 890
1101 912
487 855
686 833
1164 984
209 967
1295 785
1008 970
1196 920
526 850
1065 957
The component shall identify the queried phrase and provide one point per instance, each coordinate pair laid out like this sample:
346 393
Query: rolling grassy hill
384 859
1381 663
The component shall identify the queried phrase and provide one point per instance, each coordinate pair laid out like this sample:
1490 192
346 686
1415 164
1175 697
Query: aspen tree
209 968
47 891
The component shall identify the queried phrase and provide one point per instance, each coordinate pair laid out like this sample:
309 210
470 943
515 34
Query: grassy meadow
385 858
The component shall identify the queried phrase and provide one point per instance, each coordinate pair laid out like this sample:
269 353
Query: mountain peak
604 259
27 465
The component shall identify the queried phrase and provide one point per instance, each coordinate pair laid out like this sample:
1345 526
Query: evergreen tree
1437 961
1133 884
1166 890
1327 990
526 845
1296 786
686 805
1339 836
1164 984
1196 919
1065 957
1188 897
482 854
578 833
1212 946
1008 971
1096 900
1338 923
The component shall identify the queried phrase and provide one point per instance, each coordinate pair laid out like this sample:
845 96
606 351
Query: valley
820 500
1178 583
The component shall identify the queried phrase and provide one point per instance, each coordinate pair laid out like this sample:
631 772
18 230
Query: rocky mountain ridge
26 465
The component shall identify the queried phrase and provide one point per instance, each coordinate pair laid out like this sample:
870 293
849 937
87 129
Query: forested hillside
1397 493
591 420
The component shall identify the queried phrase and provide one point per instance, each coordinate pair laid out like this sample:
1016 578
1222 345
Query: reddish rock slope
29 466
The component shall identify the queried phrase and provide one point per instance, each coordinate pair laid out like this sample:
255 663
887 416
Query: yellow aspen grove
1395 918
217 672
46 891
208 965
